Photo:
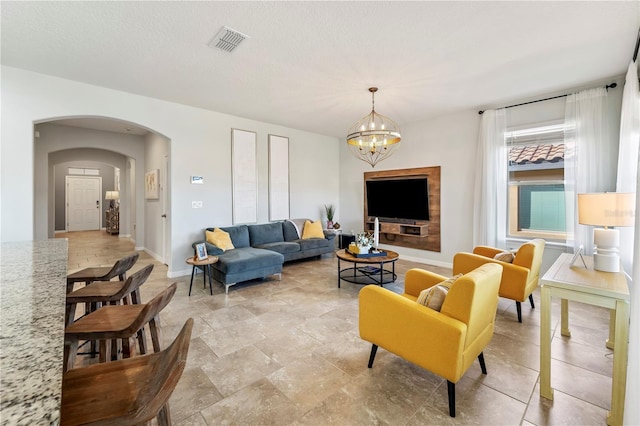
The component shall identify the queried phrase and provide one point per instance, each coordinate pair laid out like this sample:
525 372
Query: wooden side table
206 268
586 285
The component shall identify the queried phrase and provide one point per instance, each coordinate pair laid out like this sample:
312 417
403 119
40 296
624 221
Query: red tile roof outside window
536 154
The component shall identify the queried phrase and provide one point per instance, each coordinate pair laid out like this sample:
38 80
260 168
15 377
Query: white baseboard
176 274
154 255
427 261
60 232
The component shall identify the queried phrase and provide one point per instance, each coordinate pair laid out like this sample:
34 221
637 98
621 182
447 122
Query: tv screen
398 198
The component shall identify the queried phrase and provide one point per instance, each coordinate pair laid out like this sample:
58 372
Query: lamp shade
607 209
112 195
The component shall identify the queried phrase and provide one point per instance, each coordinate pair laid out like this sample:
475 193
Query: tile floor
288 352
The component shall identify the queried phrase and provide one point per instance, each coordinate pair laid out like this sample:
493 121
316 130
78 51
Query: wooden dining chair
117 322
108 293
126 392
100 273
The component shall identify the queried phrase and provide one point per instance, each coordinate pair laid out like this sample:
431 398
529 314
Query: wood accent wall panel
429 242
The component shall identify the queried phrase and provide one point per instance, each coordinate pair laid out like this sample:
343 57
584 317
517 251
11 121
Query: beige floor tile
238 369
260 403
563 410
308 382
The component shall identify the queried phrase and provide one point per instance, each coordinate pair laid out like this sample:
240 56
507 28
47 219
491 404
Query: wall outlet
196 204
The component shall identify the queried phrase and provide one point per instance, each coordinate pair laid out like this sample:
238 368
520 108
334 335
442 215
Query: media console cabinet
413 230
424 235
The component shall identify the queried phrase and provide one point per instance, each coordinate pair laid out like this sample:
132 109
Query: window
536 182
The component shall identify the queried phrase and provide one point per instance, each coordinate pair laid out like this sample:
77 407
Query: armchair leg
531 301
374 348
483 367
451 390
519 309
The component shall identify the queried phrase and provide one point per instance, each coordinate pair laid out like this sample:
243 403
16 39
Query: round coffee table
206 267
371 270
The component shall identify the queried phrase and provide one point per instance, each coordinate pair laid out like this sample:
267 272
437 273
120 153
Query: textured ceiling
307 65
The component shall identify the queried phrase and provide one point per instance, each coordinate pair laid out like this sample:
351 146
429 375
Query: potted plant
330 210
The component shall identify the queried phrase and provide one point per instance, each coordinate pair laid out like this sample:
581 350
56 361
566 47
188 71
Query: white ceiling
307 65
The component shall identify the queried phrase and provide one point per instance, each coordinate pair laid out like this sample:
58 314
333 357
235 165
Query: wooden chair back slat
121 267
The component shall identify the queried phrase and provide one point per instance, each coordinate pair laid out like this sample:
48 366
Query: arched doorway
132 149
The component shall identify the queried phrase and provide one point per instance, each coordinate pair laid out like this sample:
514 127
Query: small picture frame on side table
201 251
578 254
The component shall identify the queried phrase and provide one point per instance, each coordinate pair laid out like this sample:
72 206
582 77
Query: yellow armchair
519 278
446 342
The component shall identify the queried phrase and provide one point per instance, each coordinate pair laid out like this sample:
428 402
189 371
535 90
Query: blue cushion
265 233
281 247
289 230
313 243
239 235
247 259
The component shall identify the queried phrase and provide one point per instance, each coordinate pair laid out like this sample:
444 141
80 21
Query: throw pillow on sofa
220 239
312 230
433 297
505 256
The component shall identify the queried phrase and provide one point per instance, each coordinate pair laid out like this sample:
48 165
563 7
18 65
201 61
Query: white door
164 197
83 203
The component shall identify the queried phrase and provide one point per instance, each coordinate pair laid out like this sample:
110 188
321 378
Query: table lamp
606 209
112 196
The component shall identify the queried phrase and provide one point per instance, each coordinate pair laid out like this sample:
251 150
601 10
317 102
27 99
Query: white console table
586 285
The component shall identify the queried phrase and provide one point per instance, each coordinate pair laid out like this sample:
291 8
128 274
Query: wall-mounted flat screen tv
405 198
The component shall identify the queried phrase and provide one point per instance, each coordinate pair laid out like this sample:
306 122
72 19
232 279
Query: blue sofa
260 251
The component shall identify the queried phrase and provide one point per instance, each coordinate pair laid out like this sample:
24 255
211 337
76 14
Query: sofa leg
374 348
483 367
519 309
278 276
451 390
531 301
226 287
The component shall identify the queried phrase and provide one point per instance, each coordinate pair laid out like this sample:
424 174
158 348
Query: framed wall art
278 177
151 188
244 173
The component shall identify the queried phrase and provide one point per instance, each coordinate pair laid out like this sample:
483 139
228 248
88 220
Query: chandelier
374 137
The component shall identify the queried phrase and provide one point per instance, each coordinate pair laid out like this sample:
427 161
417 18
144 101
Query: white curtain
628 155
588 158
490 195
628 165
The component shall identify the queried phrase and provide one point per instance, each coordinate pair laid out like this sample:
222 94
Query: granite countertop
32 293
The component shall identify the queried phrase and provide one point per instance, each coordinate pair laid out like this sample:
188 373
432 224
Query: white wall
200 145
450 142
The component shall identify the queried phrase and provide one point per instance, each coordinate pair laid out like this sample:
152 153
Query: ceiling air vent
227 39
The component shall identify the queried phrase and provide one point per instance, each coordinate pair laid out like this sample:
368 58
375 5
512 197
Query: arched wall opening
131 148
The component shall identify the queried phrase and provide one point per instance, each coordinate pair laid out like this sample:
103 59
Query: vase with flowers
364 241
